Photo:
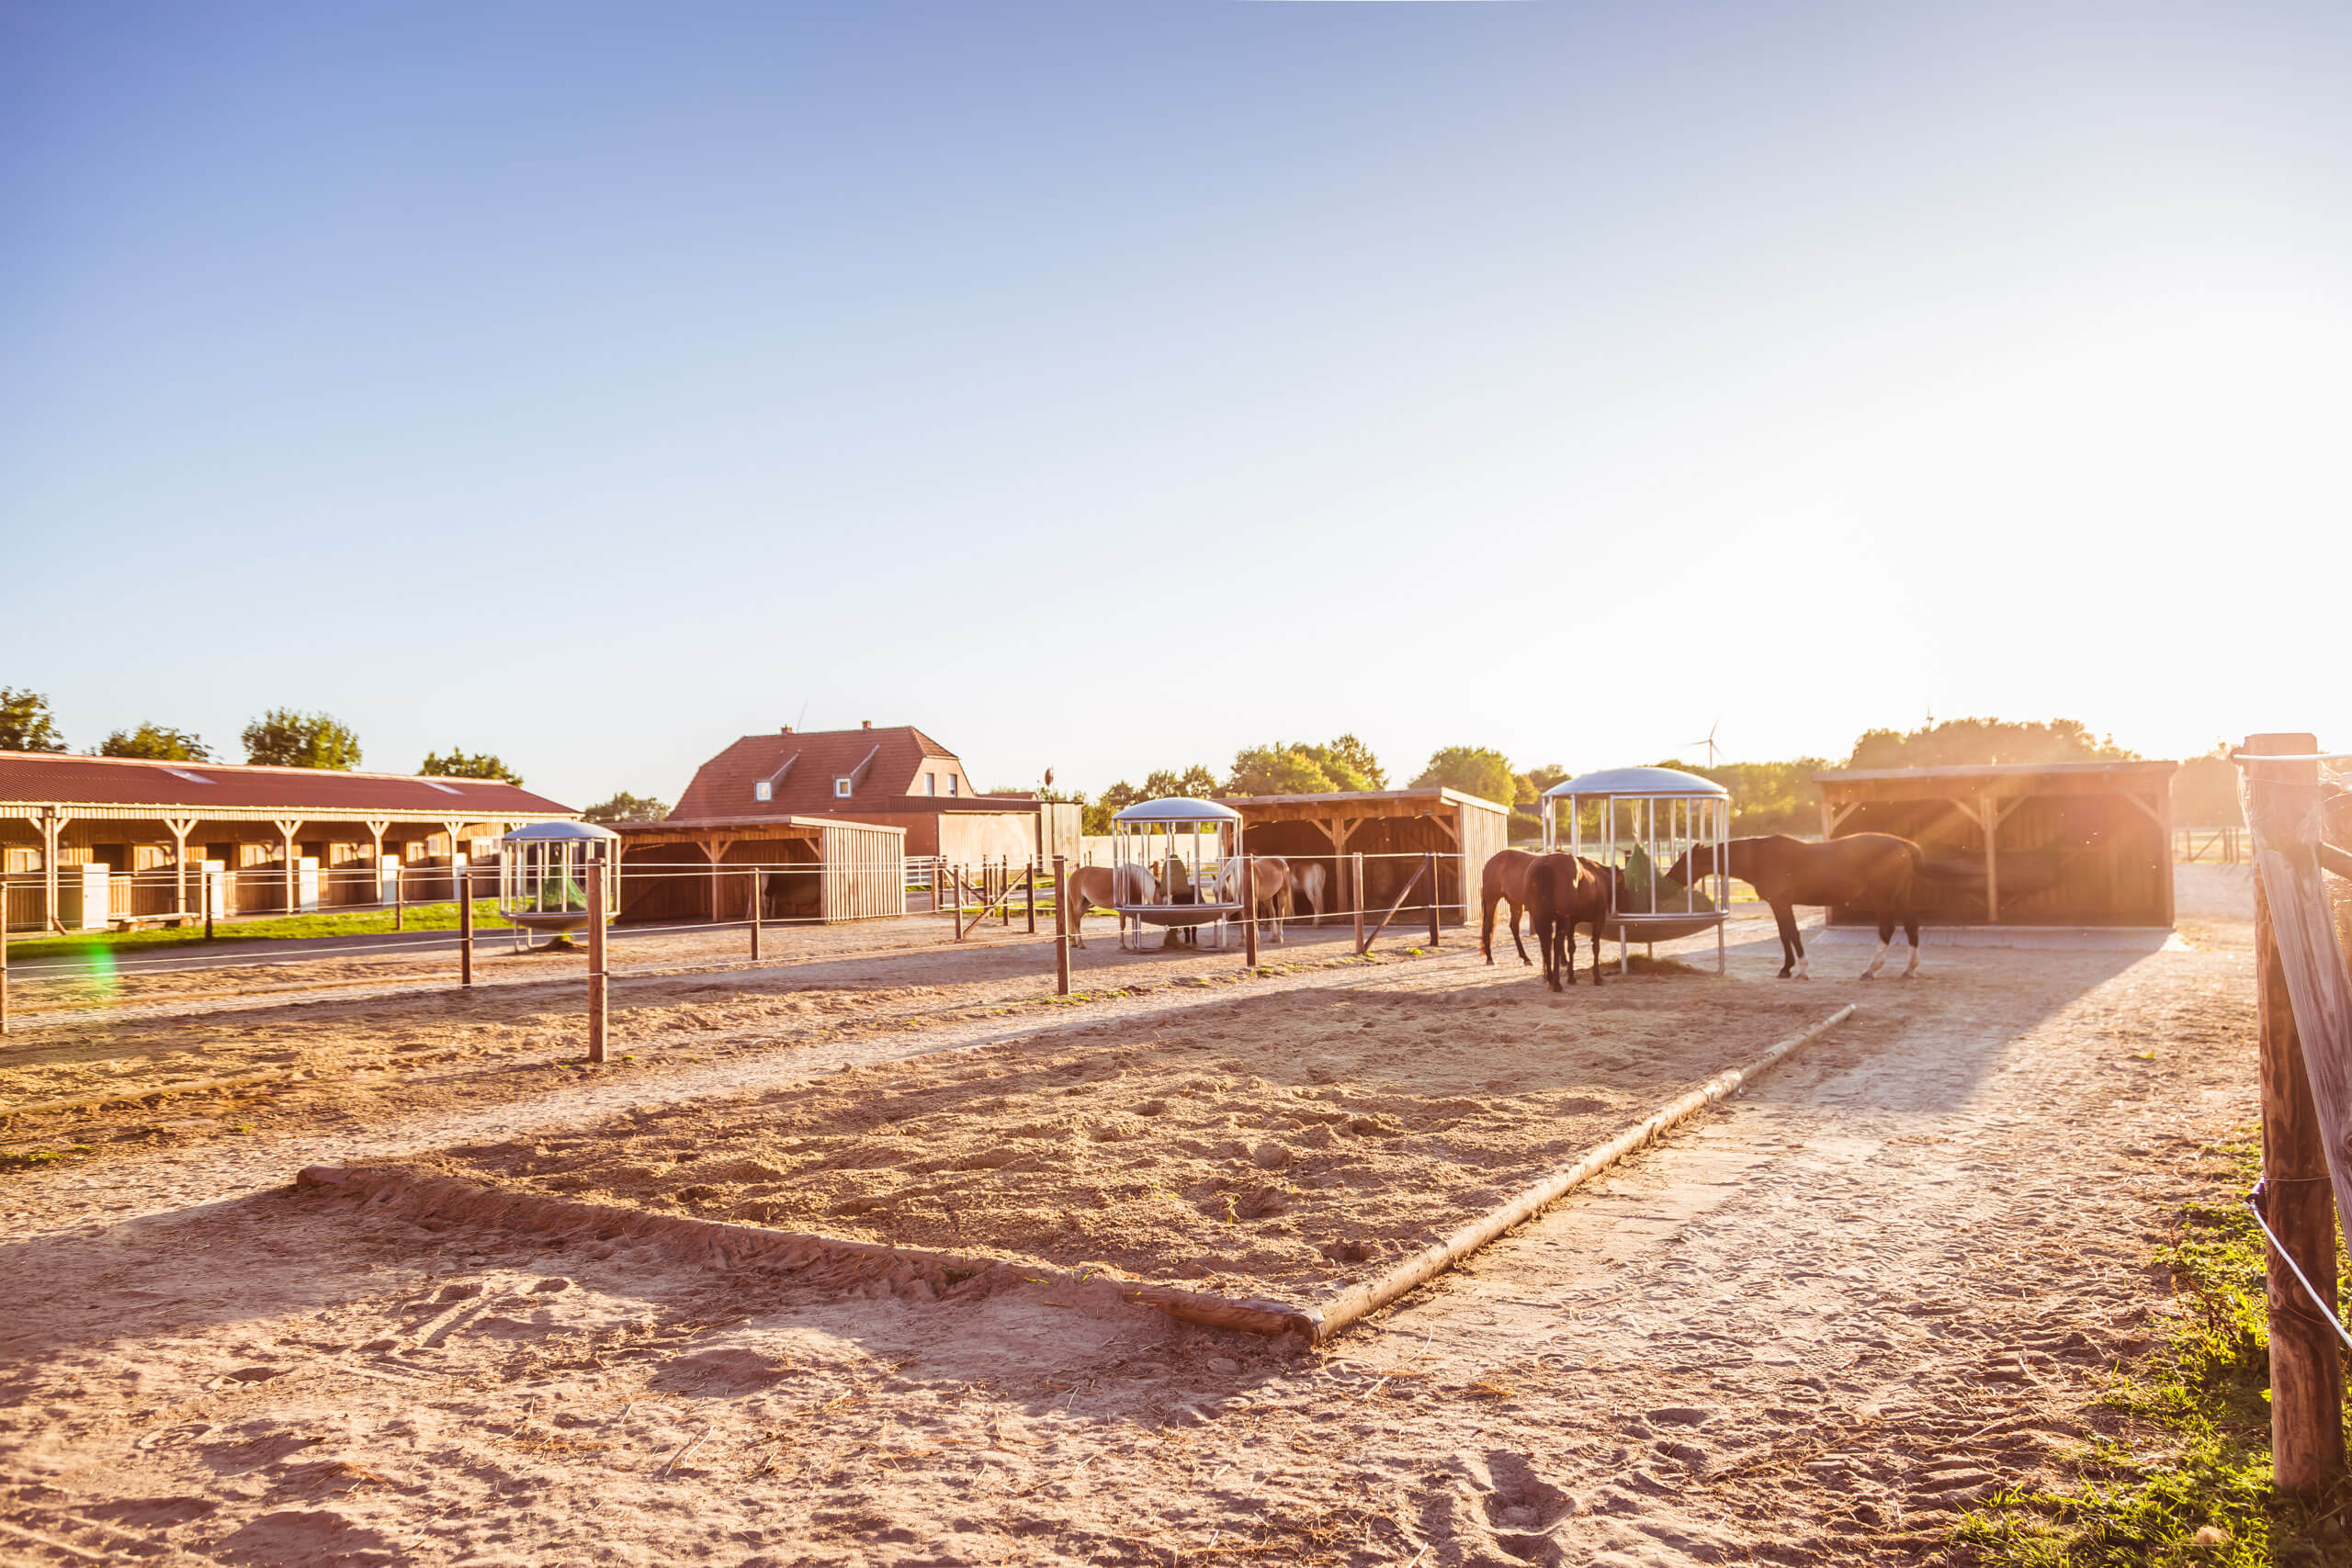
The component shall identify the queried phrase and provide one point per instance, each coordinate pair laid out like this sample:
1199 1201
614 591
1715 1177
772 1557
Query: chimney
865 724
787 729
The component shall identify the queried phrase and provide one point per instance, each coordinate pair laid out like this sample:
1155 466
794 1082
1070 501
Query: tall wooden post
2306 1369
1356 877
1004 893
598 1017
400 898
755 915
1029 895
957 896
1061 925
465 929
1250 910
1429 863
4 958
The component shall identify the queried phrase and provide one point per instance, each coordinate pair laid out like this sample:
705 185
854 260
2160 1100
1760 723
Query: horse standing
1504 880
1874 871
1110 886
1269 885
1561 891
1308 882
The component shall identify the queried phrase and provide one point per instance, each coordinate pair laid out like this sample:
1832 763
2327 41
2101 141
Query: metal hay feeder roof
1661 783
1178 810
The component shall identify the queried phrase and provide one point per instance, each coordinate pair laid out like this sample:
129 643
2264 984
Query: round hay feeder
543 877
1198 839
1642 820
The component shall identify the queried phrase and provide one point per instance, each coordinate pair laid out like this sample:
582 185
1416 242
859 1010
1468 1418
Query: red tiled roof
48 778
887 764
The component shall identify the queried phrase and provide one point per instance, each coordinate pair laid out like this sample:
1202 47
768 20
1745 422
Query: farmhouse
89 840
857 802
2046 844
1392 829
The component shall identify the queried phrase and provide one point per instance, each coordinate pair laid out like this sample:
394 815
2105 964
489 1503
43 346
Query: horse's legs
1596 953
1785 916
1886 935
1911 930
1515 934
1487 925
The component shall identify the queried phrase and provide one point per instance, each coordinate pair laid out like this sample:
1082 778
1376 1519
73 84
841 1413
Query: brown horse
1562 890
1503 881
1268 887
1873 870
1109 885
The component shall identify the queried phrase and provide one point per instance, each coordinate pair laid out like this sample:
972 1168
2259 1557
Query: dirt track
1806 1330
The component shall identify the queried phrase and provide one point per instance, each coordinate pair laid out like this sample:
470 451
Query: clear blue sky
1111 384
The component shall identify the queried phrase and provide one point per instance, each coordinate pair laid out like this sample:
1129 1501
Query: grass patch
276 928
2194 1486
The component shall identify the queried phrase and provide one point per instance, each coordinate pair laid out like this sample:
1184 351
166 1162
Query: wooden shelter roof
1997 771
1375 798
217 790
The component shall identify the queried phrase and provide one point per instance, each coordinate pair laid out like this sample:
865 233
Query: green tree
1535 781
1195 783
1472 770
153 740
623 806
1765 797
1117 798
26 723
457 764
286 739
2205 792
1976 742
1285 768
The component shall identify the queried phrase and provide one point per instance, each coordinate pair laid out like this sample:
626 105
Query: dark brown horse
1503 881
1562 890
1874 871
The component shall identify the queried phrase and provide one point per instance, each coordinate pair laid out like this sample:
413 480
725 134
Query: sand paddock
1288 1143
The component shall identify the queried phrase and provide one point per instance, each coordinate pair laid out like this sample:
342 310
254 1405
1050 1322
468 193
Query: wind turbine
1709 742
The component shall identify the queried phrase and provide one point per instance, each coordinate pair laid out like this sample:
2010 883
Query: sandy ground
1808 1329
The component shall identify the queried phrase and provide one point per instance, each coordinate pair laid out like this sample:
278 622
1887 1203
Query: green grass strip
277 928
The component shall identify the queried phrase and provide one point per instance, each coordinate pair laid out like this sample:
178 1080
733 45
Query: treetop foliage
458 764
26 723
1473 769
285 738
153 740
623 806
1300 768
1980 743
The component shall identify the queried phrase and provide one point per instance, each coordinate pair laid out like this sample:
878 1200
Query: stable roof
213 789
1995 771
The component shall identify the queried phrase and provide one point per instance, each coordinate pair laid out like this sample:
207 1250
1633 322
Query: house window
764 791
951 783
840 789
931 784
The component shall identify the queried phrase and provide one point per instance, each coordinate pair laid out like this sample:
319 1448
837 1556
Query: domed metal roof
557 832
1177 808
1660 781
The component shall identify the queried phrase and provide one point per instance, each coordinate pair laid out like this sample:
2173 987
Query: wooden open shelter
1462 830
806 868
2026 844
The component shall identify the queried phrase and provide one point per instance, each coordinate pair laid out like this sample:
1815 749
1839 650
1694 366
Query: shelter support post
2306 1366
181 827
286 831
4 966
1061 925
597 985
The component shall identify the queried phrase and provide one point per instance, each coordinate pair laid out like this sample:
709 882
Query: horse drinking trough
543 876
1655 815
1178 829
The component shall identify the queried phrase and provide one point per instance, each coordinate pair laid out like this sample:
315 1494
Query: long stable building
85 841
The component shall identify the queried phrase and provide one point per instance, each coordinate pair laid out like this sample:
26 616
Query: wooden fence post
400 904
2306 1366
1430 861
4 958
1250 910
465 929
597 980
1029 894
755 915
210 902
1355 878
1061 925
958 879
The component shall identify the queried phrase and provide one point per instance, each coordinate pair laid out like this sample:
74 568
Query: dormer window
841 788
764 790
951 783
931 784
